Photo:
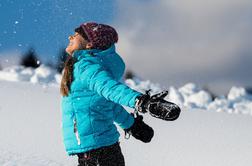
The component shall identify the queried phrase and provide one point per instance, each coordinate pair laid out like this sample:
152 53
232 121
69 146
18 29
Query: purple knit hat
100 35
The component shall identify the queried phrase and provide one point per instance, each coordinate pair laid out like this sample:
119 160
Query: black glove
157 106
140 130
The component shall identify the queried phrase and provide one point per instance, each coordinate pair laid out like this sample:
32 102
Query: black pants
104 156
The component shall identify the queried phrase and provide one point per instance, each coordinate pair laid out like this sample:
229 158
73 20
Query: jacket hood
107 58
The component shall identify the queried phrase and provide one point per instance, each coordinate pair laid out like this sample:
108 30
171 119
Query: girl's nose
70 37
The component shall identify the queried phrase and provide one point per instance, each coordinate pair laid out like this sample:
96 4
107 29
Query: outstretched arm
98 79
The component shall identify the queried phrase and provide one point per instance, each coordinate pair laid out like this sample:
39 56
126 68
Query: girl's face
76 42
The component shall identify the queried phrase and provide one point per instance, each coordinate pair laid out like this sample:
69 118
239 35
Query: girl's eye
72 36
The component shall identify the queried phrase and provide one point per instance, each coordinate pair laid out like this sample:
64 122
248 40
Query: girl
93 95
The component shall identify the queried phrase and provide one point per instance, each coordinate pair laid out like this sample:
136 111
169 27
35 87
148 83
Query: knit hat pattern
100 35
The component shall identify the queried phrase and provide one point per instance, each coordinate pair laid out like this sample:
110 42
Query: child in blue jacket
92 99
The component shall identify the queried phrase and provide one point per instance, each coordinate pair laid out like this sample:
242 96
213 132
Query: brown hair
67 76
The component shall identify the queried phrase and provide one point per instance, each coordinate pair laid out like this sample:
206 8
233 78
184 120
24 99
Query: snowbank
192 97
189 96
30 125
42 74
30 133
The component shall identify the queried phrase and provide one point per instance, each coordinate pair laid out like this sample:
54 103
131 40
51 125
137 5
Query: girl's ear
89 45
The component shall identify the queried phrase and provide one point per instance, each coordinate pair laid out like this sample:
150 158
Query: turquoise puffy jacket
94 102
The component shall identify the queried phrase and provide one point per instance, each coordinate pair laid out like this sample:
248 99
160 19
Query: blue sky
46 24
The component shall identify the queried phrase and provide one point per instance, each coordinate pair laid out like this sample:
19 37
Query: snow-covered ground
209 132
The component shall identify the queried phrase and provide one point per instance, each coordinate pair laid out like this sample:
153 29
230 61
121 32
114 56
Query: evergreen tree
61 60
30 59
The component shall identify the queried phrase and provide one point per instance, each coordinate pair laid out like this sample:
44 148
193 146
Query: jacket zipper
76 132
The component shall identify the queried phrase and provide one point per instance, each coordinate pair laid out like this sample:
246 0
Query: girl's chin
69 51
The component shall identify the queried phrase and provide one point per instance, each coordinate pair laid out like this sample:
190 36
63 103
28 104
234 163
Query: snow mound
189 96
192 97
42 74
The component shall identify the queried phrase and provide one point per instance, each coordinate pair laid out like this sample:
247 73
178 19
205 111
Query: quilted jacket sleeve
96 78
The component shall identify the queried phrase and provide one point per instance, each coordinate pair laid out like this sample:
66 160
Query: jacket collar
78 54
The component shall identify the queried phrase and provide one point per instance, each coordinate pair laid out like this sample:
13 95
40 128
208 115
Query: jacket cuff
132 102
